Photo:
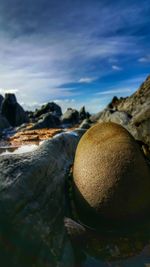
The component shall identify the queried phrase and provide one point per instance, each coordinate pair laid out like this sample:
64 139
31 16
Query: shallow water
9 150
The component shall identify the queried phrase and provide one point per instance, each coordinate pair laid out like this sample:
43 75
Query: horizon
73 53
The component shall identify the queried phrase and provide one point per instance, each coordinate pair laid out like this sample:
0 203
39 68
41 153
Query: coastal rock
33 204
4 124
134 104
118 117
83 114
14 113
86 124
111 177
1 100
49 107
48 121
71 116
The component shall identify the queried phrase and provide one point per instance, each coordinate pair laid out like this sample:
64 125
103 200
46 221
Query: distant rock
49 107
86 124
1 100
83 114
48 120
14 113
3 123
71 117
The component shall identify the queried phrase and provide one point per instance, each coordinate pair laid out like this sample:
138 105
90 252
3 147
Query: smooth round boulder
111 176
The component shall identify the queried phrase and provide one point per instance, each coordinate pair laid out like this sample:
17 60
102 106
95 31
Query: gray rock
85 124
33 204
71 116
118 117
4 124
49 107
47 121
14 113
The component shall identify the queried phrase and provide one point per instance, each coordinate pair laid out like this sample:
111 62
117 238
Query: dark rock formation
1 100
33 205
47 121
3 123
111 177
14 113
49 107
83 114
71 117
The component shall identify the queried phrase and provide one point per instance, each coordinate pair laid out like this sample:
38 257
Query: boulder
118 117
49 107
14 113
111 177
33 205
4 124
71 117
47 121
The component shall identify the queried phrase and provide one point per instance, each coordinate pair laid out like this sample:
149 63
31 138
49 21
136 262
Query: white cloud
87 79
115 67
115 91
145 59
4 91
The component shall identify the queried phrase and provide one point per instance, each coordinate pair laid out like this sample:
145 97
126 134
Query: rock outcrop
48 120
49 107
33 205
70 117
132 112
3 123
111 176
13 112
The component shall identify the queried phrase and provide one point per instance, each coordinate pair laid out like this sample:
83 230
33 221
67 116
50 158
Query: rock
47 121
113 103
49 107
118 117
71 117
33 204
14 113
86 124
142 123
134 104
111 177
4 124
1 100
83 114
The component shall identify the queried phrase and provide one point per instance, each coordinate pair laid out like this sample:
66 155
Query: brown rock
111 177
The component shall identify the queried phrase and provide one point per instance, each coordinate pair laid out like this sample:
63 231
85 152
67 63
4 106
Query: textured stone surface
111 177
33 204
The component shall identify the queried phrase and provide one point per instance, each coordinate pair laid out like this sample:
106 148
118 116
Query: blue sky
73 52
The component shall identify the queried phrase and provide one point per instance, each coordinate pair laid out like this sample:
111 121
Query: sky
73 52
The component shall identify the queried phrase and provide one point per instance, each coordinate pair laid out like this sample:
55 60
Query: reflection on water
19 150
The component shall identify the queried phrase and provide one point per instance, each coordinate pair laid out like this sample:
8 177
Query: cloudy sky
73 52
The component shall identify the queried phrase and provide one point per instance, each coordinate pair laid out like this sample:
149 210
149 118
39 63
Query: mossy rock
111 176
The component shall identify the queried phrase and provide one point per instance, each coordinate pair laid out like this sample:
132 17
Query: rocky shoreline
32 185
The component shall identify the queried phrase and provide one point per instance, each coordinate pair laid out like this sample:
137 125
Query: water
8 150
